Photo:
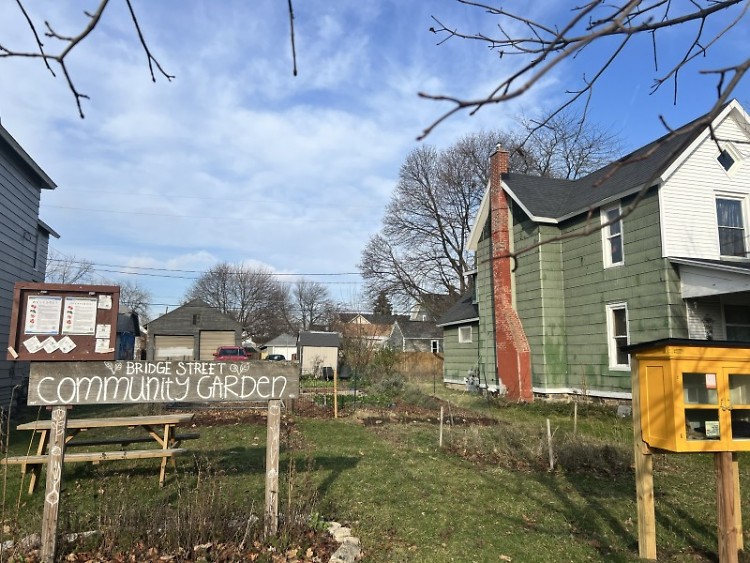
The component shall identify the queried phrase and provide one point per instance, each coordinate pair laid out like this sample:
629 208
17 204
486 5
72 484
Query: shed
318 350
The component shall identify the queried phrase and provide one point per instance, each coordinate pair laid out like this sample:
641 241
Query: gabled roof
8 142
281 340
465 310
419 330
549 200
319 339
197 304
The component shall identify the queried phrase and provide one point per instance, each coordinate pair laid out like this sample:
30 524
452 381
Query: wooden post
644 475
441 427
549 447
54 481
335 394
727 532
737 502
272 468
575 418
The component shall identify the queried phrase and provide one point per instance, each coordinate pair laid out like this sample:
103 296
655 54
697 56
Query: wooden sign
63 322
123 382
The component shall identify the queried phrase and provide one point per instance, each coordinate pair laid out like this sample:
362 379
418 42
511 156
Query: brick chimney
511 346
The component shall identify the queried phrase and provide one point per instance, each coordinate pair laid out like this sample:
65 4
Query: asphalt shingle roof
463 310
555 199
419 330
322 339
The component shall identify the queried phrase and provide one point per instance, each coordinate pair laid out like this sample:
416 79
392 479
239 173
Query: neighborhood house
667 257
25 241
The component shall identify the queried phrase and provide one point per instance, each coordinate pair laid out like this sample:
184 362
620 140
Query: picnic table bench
159 428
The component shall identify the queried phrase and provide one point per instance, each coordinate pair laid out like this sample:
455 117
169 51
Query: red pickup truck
230 354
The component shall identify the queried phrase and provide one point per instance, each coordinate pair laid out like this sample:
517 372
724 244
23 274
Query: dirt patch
407 414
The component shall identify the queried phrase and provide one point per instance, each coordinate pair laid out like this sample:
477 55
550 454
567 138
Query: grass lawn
485 496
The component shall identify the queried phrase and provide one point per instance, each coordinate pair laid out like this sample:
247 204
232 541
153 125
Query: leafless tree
251 295
62 268
312 304
134 297
610 27
421 249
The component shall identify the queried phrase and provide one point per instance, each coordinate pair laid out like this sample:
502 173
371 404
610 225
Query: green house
568 272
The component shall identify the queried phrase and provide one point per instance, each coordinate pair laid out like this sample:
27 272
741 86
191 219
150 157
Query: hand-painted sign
81 383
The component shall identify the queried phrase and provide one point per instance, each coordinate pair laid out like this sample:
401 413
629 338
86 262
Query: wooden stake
644 475
549 447
441 427
575 418
335 395
727 533
54 482
272 468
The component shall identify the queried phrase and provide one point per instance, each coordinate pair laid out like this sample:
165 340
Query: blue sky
237 160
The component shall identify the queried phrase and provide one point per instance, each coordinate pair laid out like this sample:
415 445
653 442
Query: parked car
230 354
276 358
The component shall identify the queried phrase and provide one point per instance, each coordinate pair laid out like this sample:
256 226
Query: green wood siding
486 332
540 300
642 283
459 357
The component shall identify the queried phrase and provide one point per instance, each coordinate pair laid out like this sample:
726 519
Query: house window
435 346
464 334
729 159
612 236
617 335
737 318
726 159
196 319
730 220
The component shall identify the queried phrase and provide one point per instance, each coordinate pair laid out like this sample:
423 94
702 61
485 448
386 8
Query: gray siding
20 194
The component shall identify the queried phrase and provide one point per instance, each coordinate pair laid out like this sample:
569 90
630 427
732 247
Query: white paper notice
710 381
49 345
105 301
103 331
32 344
66 344
79 316
102 346
43 315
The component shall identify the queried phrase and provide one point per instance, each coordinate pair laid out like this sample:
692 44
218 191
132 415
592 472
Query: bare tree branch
546 46
72 41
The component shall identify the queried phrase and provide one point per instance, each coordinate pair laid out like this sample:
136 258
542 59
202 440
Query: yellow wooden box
694 394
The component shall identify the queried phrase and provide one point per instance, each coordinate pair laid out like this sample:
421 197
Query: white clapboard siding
688 197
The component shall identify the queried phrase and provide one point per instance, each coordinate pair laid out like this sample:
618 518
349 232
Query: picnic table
159 428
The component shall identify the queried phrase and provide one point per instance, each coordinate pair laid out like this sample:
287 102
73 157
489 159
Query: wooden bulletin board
63 322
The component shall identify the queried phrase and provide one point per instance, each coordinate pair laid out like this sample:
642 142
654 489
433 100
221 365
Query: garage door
211 339
173 347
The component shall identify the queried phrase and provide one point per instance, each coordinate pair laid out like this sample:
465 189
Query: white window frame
734 154
742 199
608 236
462 338
612 337
435 346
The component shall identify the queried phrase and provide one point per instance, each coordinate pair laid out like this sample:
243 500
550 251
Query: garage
210 340
173 348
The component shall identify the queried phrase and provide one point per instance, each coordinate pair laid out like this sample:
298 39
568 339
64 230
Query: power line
126 270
